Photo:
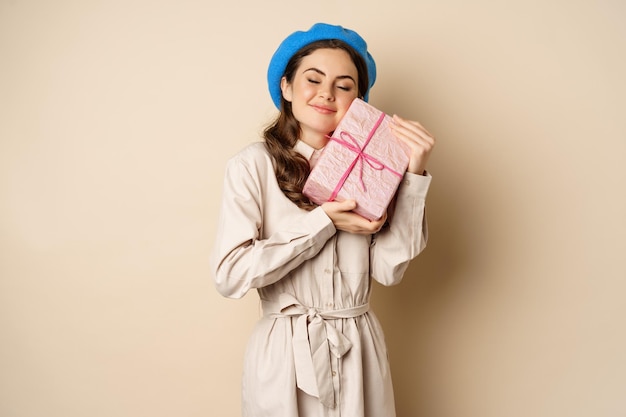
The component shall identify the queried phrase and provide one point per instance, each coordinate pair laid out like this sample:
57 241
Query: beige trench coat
318 350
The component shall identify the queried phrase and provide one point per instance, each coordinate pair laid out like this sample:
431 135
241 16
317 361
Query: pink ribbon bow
361 156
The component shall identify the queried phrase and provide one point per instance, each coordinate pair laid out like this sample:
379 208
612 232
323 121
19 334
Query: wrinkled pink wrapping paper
374 194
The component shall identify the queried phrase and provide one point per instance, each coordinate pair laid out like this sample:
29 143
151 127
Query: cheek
343 105
304 89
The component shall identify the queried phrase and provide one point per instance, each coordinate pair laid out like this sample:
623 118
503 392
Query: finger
413 124
413 139
340 206
401 124
412 135
365 226
375 225
347 205
415 142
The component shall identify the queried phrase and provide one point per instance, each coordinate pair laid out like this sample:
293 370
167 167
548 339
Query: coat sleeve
395 246
242 259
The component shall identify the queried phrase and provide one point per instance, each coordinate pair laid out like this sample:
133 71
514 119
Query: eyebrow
341 77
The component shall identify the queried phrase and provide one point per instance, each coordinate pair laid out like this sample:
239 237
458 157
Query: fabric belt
314 340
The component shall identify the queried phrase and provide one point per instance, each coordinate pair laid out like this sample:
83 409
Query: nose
326 92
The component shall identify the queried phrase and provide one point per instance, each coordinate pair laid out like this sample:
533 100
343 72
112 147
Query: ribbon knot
361 156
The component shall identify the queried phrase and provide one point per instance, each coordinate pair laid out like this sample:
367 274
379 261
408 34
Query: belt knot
314 340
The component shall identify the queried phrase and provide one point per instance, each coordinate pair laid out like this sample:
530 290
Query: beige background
116 118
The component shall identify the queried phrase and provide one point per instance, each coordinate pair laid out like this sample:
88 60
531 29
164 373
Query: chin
325 128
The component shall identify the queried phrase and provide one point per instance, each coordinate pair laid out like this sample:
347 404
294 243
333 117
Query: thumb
348 205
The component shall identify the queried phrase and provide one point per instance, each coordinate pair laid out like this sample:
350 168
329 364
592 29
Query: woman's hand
419 140
346 220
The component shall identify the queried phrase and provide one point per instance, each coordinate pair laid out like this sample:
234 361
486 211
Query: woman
318 350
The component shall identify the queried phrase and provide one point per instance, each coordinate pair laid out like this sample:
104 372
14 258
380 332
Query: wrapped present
362 160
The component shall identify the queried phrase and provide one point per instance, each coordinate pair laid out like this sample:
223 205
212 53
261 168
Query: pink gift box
363 161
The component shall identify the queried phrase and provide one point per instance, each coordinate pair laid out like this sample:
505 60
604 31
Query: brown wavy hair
291 168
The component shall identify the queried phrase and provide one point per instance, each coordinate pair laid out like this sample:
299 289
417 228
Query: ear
286 89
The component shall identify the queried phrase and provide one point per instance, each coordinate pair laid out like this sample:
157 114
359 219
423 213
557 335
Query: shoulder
254 160
254 154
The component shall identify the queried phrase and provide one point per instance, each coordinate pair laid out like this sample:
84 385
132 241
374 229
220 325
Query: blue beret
297 40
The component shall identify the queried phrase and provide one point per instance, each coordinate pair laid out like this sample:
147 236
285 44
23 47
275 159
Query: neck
315 141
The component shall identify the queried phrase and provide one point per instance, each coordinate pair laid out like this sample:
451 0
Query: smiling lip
323 109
